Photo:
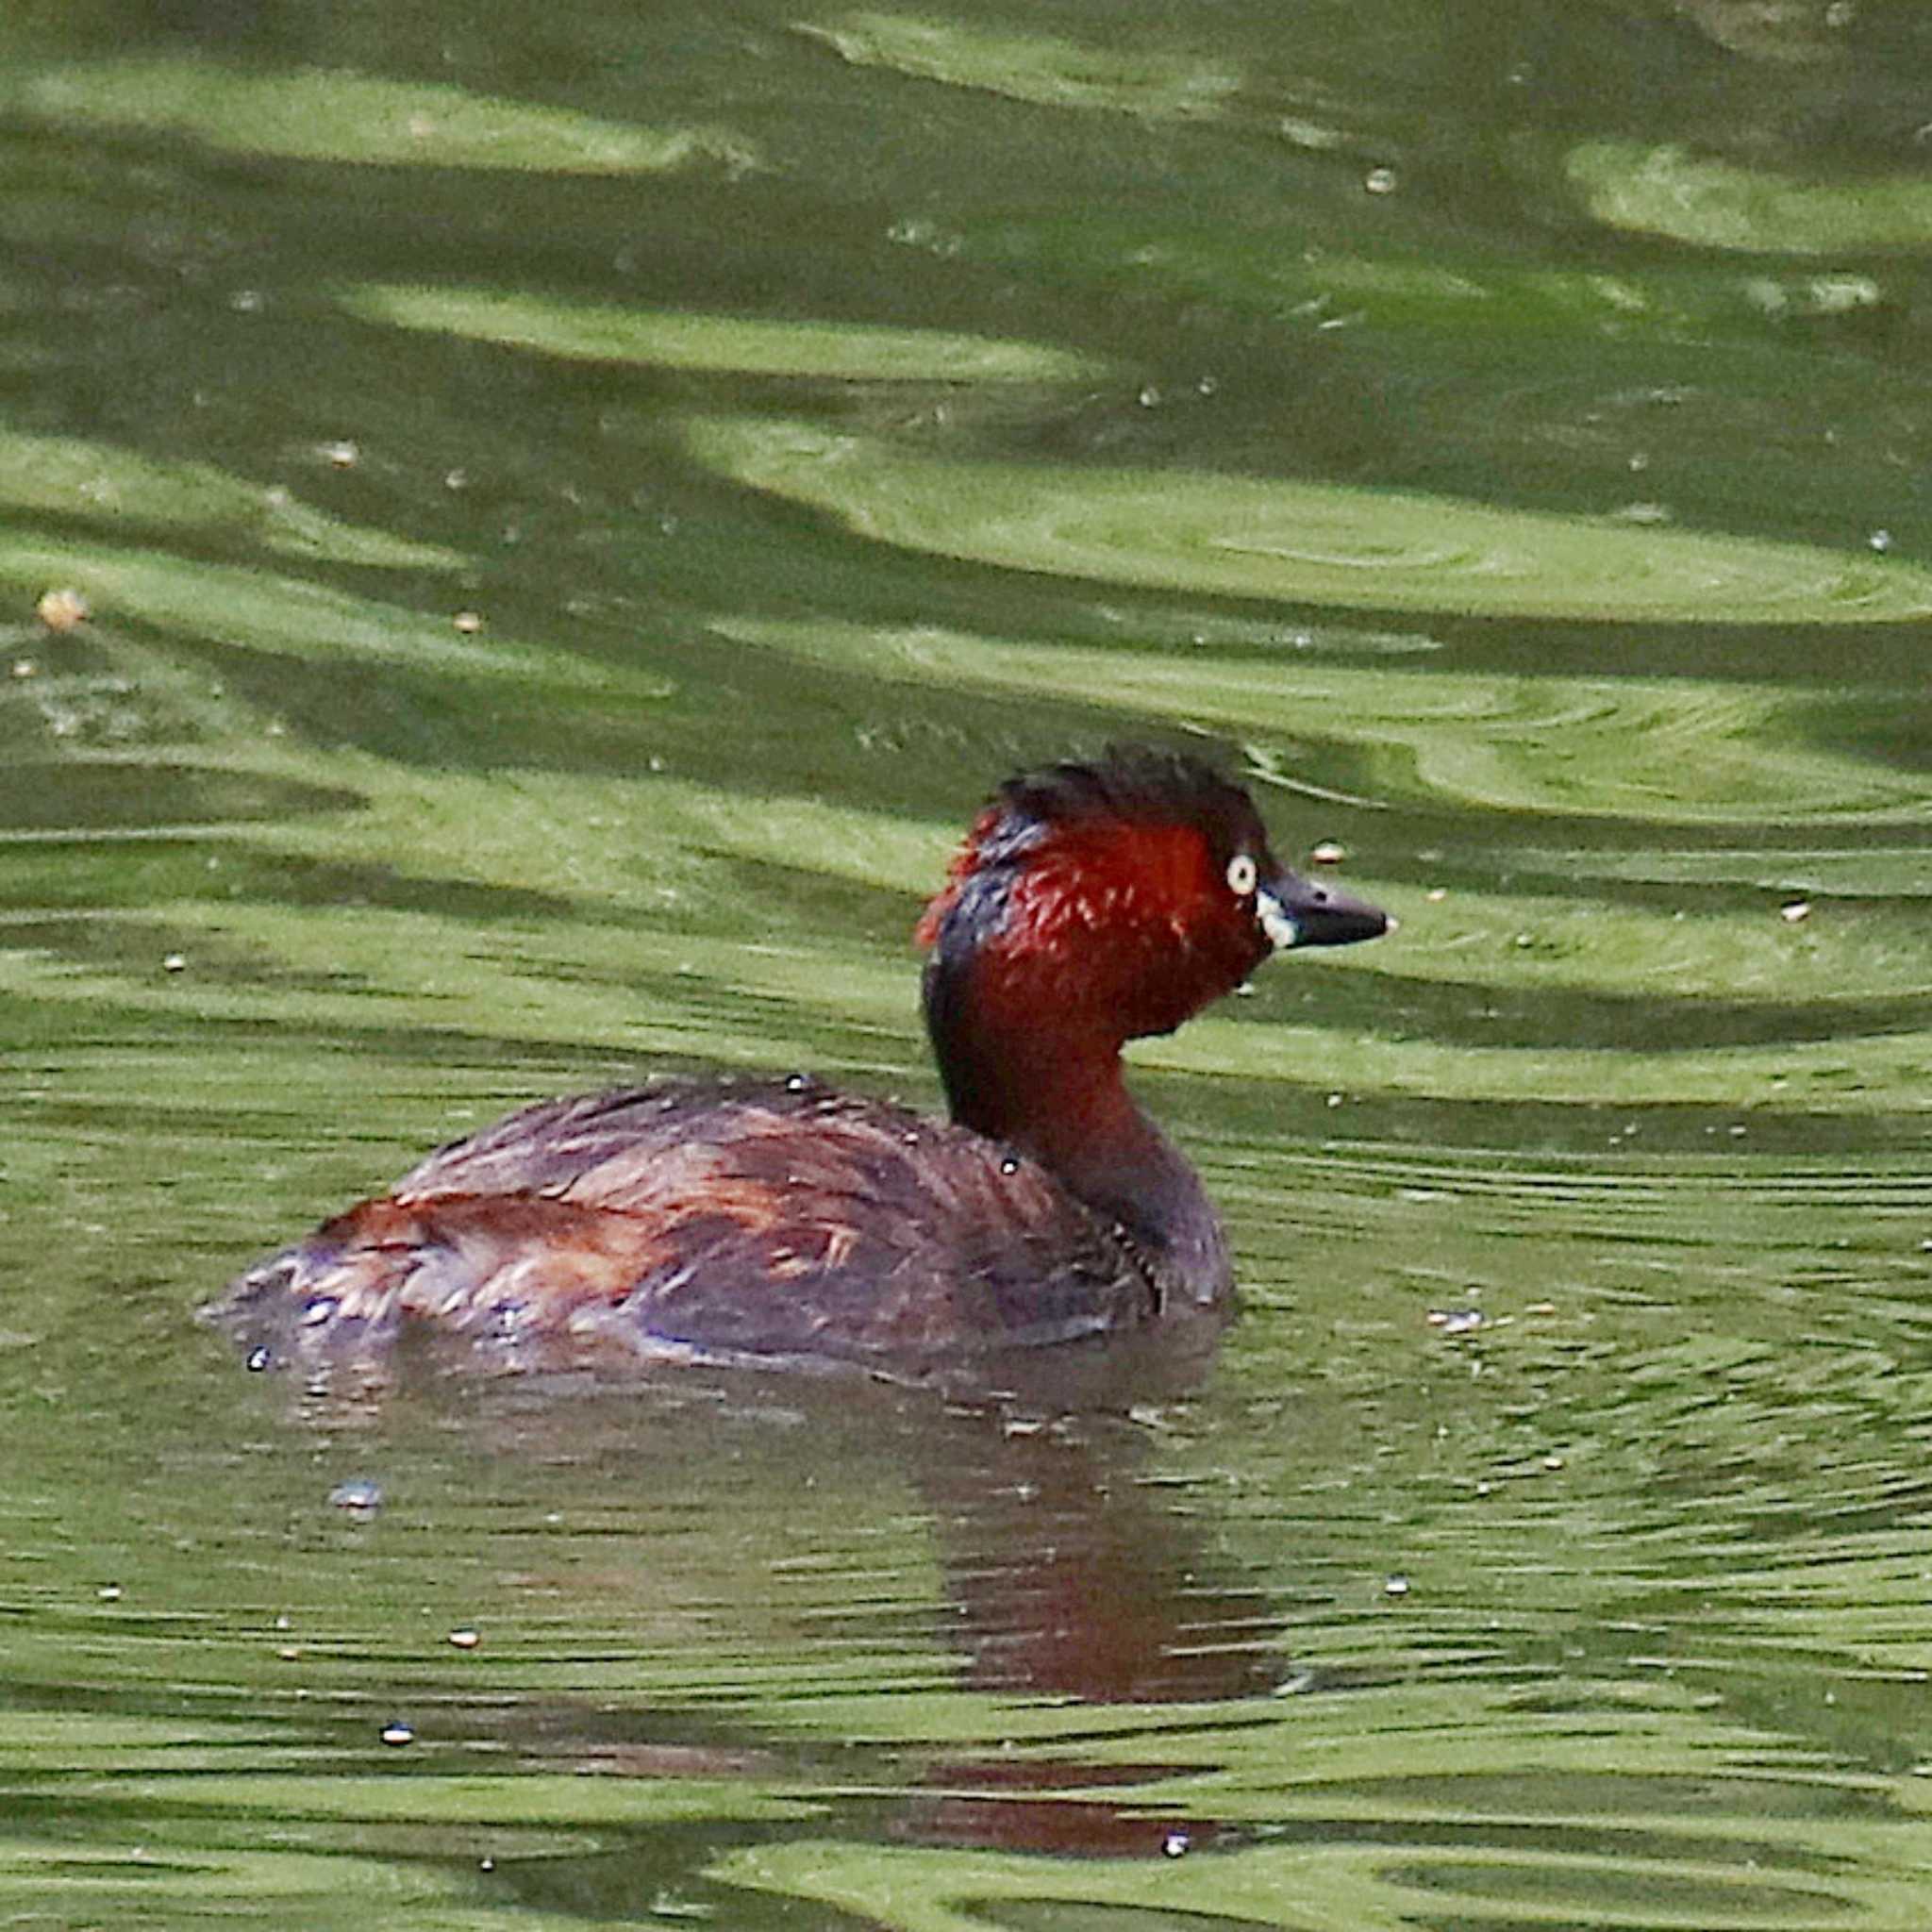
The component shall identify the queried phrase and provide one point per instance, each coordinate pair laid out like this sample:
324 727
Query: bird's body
783 1220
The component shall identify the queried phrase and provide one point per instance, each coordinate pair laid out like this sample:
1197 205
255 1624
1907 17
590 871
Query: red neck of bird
1018 1070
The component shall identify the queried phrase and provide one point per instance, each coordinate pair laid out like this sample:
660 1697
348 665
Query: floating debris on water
62 609
1379 181
468 622
1795 911
465 1638
1329 852
1395 1586
1455 1321
396 1733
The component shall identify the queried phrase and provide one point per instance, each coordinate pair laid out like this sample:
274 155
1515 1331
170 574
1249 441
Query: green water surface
577 503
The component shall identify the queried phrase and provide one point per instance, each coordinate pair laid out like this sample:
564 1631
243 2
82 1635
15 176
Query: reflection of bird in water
1069 1576
1036 1562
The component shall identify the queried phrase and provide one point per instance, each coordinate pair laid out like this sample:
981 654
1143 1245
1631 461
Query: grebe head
1100 901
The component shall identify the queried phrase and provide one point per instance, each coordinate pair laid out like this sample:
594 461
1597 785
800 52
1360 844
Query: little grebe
1090 905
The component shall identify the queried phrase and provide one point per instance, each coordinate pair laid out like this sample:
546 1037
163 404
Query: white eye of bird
1242 876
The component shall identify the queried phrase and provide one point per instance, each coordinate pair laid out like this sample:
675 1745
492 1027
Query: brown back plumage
776 1219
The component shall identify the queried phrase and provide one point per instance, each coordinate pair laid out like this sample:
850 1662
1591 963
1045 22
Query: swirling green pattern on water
1717 204
1304 543
321 115
740 344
